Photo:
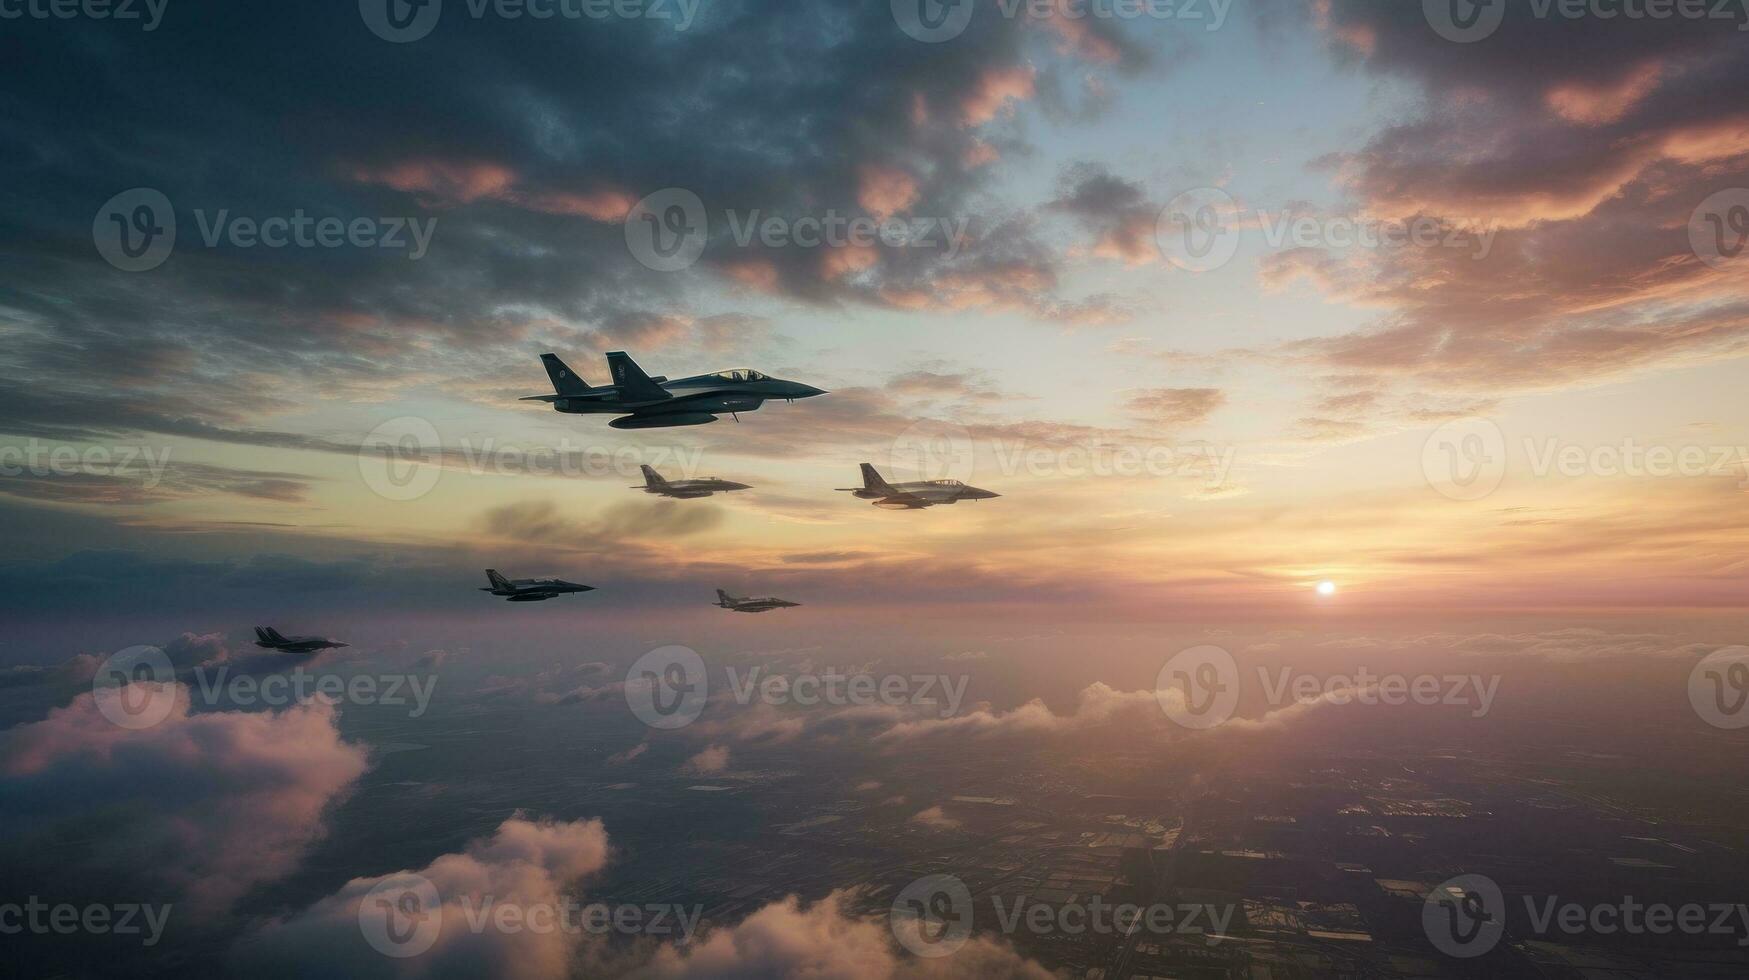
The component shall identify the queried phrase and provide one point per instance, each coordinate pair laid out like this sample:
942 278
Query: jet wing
632 382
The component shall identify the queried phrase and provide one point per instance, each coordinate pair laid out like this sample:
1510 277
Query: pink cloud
212 803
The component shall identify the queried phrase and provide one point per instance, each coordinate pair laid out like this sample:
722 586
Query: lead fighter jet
644 402
531 589
684 489
269 638
915 495
727 601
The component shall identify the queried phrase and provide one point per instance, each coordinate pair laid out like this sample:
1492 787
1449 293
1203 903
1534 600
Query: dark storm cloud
527 141
1587 144
1115 211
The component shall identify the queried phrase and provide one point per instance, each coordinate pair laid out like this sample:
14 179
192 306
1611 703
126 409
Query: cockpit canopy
739 374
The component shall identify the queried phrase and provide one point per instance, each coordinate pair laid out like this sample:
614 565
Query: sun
1326 588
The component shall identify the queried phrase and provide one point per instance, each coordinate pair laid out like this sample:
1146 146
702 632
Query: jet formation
685 489
269 638
915 495
643 402
736 604
531 589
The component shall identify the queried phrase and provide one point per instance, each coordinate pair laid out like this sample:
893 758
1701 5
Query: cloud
209 804
788 939
525 864
935 819
1115 211
1176 406
540 521
710 761
1582 170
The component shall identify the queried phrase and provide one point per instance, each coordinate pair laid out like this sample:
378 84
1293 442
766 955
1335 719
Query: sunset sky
1572 161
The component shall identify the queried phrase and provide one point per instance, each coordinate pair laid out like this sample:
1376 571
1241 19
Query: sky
1532 404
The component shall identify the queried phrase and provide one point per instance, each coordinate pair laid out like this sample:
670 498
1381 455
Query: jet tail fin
498 581
724 599
872 480
272 635
565 380
651 477
631 380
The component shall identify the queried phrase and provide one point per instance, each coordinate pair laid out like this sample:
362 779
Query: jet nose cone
808 391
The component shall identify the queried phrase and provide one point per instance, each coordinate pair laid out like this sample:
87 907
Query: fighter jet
727 601
269 638
531 589
685 489
913 496
644 402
